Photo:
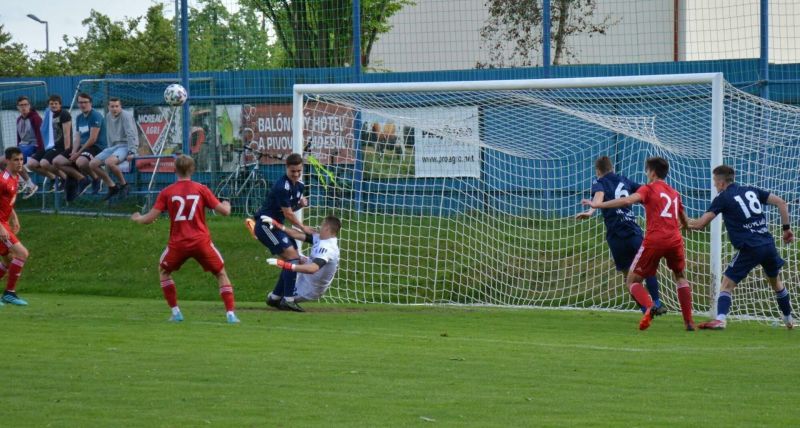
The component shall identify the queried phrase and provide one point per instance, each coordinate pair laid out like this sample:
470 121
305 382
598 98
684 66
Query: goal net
466 192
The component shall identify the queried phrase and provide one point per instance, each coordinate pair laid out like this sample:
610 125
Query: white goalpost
465 192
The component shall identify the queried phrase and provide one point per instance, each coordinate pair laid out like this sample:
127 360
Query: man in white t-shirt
317 270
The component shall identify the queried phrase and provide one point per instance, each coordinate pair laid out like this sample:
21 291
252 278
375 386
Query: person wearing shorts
186 201
123 142
89 142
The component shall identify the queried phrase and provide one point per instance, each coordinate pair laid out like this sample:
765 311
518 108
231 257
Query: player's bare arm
614 203
148 218
293 233
783 209
289 214
702 222
684 219
598 198
224 208
304 268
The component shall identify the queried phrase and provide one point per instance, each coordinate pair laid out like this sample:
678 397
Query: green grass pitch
94 349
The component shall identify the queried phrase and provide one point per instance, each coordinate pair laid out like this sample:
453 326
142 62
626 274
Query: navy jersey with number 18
742 209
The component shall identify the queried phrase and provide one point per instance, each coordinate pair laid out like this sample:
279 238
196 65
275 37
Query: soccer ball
175 95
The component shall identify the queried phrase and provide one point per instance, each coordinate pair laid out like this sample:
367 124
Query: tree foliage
221 40
319 33
13 58
513 33
261 34
113 47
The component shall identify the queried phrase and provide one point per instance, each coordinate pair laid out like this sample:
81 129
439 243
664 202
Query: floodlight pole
46 31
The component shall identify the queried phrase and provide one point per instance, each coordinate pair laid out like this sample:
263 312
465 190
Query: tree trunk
561 32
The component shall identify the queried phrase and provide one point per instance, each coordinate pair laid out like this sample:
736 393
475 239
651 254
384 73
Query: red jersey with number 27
8 194
186 201
662 206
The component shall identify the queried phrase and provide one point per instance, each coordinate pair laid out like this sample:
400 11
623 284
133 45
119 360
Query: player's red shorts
206 254
6 244
645 264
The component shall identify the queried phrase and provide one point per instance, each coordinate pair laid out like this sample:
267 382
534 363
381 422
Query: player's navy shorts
623 249
274 239
749 257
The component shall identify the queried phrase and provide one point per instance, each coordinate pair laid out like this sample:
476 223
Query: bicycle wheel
255 196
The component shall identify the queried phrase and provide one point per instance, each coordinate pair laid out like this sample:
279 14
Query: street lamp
46 31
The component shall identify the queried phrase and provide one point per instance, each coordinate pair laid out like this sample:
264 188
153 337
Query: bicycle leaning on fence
244 187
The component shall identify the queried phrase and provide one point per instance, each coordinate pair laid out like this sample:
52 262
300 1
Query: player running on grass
13 252
665 215
742 209
186 202
623 235
317 271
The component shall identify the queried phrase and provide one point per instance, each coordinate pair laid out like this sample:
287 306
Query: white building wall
445 34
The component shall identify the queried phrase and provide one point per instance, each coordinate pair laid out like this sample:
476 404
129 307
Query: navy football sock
278 290
652 288
724 303
784 302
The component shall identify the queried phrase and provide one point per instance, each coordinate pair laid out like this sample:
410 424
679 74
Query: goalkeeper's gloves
269 221
280 263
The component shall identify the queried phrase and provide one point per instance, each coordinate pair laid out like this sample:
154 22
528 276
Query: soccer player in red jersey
13 252
662 239
186 202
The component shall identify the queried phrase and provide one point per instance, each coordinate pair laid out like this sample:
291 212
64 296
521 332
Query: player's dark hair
12 151
294 159
184 165
55 97
333 223
658 165
23 98
116 99
725 172
85 96
603 164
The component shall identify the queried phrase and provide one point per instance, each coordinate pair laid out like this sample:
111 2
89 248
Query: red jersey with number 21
186 202
662 206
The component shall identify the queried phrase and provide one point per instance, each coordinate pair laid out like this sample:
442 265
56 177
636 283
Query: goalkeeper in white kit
317 270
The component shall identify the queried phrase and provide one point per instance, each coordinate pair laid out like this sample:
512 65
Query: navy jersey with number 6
742 209
283 194
620 222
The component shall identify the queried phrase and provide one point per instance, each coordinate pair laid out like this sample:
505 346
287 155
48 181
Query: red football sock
685 298
226 292
170 292
14 271
3 269
641 295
